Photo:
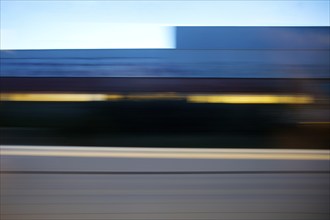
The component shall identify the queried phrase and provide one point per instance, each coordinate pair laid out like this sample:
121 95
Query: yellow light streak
251 99
191 98
114 97
52 97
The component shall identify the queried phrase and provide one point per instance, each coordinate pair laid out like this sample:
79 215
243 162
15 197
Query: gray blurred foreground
54 187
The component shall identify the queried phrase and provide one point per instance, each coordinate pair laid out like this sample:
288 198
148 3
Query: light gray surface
32 163
225 196
163 196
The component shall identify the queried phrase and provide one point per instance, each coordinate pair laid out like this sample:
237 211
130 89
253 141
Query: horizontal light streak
52 97
254 154
191 98
251 99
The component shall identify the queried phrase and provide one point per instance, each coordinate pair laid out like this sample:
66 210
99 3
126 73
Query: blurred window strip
191 98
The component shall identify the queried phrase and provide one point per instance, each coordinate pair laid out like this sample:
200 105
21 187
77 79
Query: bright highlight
193 98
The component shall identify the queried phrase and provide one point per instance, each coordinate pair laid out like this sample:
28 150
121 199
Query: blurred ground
153 183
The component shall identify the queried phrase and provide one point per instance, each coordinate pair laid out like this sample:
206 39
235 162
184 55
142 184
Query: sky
54 24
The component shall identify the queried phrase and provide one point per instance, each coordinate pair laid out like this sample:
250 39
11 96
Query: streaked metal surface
115 152
165 187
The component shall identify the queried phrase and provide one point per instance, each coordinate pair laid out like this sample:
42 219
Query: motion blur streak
315 122
194 98
113 97
156 96
50 97
253 154
251 99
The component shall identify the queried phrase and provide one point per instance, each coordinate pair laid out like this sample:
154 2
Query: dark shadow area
158 124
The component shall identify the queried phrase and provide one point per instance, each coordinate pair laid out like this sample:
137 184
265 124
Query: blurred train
216 89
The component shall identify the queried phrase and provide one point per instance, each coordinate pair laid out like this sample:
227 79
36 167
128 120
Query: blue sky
47 24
